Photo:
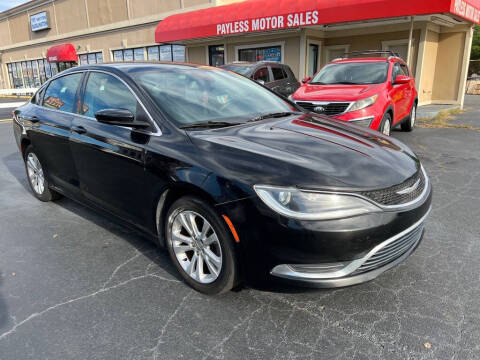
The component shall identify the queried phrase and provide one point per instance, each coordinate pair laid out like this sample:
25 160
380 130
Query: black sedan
236 182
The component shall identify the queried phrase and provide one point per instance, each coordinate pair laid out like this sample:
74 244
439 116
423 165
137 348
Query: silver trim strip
404 206
350 104
286 271
362 118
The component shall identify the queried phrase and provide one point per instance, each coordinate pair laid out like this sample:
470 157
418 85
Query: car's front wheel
386 124
200 246
408 124
36 176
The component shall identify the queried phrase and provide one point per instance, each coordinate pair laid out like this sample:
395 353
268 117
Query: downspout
410 40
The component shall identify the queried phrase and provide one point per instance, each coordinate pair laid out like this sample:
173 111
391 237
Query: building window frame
319 59
387 43
328 49
96 52
263 45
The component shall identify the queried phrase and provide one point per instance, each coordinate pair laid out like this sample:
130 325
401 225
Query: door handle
79 129
32 119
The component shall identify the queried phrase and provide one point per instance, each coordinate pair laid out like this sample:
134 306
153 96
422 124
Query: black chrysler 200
235 181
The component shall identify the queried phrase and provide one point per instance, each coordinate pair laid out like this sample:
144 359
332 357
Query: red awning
62 52
266 15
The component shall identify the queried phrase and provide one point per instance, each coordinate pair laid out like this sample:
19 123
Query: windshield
191 95
239 69
352 73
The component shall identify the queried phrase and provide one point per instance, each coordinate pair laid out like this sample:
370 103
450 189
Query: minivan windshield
201 95
352 73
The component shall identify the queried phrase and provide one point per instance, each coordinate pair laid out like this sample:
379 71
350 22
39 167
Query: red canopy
265 15
62 52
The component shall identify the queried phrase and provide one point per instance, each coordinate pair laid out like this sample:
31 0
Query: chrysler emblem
409 189
319 109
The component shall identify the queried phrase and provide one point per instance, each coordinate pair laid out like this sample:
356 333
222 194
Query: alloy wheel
35 173
386 127
196 246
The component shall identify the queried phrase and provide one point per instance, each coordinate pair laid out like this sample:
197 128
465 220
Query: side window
105 91
60 94
261 74
278 74
396 71
405 70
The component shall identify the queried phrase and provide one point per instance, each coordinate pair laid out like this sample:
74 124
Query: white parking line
5 120
6 105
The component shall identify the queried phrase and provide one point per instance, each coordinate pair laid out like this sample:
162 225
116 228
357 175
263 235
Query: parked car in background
276 76
235 181
375 92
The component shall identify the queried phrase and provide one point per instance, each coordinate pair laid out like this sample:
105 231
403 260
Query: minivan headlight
308 205
362 104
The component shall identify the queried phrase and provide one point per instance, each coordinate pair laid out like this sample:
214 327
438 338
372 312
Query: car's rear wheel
409 124
386 124
37 178
200 246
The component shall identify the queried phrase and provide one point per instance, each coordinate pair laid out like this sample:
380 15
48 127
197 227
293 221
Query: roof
365 59
266 15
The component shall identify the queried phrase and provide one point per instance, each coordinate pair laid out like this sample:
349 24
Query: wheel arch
171 194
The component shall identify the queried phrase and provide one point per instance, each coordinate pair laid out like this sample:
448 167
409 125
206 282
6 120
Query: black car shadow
138 239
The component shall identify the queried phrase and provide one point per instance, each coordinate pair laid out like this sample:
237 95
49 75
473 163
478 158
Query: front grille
391 196
328 108
392 251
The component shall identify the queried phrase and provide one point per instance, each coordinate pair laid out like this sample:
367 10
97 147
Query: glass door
216 55
312 59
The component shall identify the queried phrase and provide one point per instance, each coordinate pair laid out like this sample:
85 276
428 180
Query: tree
475 55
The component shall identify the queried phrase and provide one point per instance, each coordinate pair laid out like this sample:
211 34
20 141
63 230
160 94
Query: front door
399 94
110 159
51 122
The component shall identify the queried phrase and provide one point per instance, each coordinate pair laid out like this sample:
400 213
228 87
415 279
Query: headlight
306 205
290 97
362 104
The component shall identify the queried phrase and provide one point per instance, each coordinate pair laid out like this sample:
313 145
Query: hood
335 92
308 151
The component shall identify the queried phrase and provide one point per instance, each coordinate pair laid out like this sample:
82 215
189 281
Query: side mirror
306 80
120 117
260 81
401 79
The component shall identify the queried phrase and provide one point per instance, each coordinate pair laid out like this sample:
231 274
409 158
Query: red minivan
376 92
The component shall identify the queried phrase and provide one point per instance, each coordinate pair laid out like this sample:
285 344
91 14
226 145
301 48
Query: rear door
109 158
50 129
280 82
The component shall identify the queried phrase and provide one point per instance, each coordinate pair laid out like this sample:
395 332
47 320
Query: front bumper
330 253
381 258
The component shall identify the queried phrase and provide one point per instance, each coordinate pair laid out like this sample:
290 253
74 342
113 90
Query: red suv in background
376 92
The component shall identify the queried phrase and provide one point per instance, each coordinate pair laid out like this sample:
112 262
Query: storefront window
48 71
178 53
92 59
41 70
312 59
118 55
166 53
128 55
139 54
153 53
271 53
83 59
99 57
216 55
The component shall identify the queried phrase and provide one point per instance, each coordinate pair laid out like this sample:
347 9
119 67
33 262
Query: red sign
468 9
266 15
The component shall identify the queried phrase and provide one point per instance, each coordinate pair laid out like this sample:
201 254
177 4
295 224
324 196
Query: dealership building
42 37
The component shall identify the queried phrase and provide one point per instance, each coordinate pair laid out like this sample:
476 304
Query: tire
200 246
386 125
409 124
36 175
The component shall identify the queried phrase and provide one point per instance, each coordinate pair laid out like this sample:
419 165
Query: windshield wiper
345 83
209 124
318 83
273 115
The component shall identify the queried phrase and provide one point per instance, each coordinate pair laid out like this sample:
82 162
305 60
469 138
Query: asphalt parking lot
75 284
